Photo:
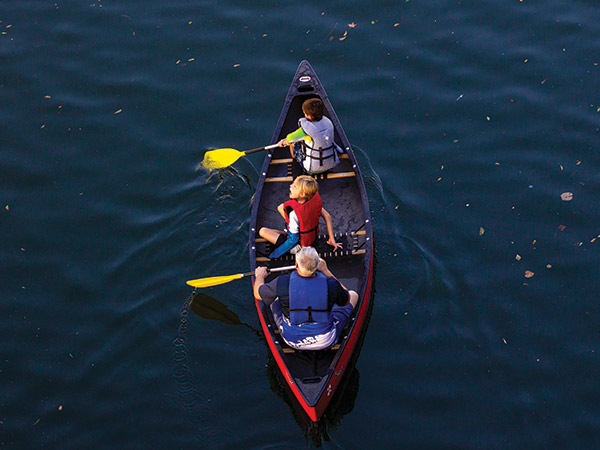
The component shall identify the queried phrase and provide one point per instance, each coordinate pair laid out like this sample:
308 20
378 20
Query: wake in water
398 256
206 423
224 174
437 298
419 273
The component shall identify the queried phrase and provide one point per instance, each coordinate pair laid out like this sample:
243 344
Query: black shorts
281 239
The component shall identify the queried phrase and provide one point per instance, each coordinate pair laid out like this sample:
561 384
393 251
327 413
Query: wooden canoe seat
349 241
322 176
290 160
288 350
288 257
281 161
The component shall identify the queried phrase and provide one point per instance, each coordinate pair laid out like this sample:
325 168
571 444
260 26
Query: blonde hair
307 259
307 185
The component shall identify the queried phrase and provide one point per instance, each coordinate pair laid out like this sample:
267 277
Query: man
310 306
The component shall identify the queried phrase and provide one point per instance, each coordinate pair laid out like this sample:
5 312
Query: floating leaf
481 231
566 196
529 274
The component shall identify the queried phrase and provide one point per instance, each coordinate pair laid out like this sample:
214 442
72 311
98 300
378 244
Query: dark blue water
470 119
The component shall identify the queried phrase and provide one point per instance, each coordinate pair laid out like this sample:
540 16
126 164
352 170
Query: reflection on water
341 404
210 308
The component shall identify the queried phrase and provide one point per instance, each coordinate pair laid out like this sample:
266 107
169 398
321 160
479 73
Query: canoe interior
341 198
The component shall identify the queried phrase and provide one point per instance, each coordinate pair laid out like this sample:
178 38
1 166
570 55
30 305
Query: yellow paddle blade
214 281
222 157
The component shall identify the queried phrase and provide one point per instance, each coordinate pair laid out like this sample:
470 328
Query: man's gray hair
307 259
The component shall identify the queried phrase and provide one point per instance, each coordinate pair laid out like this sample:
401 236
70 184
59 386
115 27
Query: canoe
314 376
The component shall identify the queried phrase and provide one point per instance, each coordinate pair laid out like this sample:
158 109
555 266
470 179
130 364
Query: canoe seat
276 161
350 247
321 176
289 350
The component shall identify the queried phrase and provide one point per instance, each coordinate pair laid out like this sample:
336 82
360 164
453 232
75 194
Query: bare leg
270 235
353 298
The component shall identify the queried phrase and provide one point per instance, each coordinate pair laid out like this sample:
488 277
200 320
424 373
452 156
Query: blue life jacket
308 299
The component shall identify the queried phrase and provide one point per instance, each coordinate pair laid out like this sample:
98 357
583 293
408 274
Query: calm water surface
470 120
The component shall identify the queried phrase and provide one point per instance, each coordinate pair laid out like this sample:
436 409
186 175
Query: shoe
295 250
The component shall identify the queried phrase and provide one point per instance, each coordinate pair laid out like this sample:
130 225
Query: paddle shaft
259 149
275 269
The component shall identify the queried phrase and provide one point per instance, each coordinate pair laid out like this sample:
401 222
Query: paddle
223 157
214 281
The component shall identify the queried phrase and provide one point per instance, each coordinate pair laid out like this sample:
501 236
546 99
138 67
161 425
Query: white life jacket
321 154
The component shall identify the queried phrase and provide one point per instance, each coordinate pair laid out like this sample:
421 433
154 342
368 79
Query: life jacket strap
309 231
310 310
304 146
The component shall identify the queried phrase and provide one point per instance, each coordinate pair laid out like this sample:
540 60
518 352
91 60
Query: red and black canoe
313 376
